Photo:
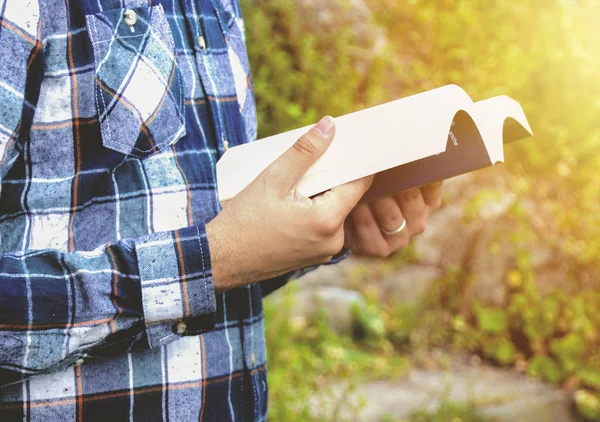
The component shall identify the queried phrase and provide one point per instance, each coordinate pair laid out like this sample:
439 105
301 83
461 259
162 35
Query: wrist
229 262
221 279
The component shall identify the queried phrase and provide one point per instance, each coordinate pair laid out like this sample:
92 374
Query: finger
432 194
366 237
341 199
387 213
389 217
414 210
293 163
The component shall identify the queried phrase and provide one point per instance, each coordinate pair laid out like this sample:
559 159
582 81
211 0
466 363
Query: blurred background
494 312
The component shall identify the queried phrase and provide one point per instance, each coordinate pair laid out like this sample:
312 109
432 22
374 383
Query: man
125 292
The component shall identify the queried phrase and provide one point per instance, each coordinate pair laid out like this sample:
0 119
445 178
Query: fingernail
324 127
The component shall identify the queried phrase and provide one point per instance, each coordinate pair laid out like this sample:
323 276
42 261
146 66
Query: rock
492 210
541 255
492 256
538 217
455 187
339 275
494 252
503 395
446 238
336 304
555 277
409 284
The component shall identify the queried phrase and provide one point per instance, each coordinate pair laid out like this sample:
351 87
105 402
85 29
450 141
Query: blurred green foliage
553 336
311 367
301 71
543 53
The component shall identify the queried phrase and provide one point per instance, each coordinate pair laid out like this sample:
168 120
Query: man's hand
367 223
269 229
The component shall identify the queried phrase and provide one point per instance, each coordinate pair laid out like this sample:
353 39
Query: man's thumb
293 163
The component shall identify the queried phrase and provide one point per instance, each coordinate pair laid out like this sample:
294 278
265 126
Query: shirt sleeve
20 45
57 308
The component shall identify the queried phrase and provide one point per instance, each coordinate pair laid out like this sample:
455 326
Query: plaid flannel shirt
112 116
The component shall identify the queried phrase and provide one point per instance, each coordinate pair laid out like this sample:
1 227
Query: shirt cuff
269 286
340 256
176 282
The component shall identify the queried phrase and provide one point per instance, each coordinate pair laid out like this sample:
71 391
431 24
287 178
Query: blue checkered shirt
112 116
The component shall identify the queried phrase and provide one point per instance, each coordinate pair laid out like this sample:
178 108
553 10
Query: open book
406 143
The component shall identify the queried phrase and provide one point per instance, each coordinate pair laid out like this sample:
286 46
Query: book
410 142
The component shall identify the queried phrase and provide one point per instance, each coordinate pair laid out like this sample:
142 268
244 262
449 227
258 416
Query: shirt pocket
138 88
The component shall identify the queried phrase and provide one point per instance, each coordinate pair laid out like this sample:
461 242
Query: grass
451 412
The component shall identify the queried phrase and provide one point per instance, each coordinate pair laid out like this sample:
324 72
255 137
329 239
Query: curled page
408 142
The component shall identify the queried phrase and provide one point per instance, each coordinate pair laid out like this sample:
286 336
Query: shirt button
130 17
78 362
201 42
180 327
253 359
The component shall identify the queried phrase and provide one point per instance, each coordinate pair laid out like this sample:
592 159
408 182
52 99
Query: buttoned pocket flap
138 88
